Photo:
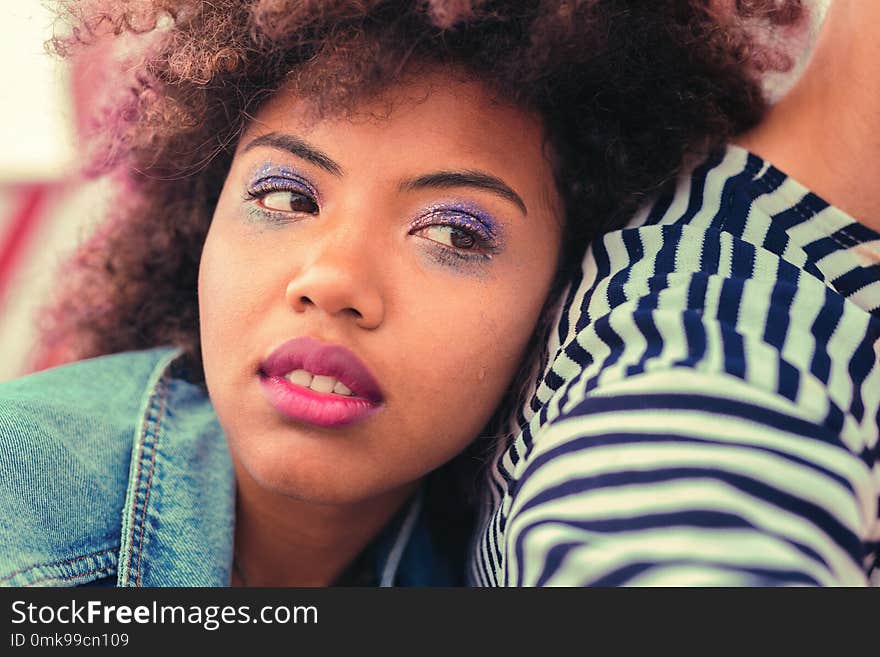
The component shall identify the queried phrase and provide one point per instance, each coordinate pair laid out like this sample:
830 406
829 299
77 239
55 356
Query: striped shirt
709 413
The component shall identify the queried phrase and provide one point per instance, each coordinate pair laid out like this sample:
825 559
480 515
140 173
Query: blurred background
47 208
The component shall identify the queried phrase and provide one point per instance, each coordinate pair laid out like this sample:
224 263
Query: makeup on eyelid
466 216
287 178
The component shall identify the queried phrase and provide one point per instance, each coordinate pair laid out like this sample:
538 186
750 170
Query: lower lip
318 408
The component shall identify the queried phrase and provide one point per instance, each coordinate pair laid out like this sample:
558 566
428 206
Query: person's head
414 181
421 232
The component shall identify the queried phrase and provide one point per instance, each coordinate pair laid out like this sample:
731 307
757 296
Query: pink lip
323 409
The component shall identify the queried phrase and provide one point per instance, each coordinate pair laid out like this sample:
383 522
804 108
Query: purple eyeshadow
268 173
467 216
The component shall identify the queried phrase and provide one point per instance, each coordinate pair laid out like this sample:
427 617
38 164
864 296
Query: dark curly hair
626 89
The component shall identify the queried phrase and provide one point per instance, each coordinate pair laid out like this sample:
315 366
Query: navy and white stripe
710 411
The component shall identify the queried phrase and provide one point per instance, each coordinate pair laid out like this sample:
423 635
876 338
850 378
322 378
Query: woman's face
422 242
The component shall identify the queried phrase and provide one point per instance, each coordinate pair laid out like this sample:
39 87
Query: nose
337 283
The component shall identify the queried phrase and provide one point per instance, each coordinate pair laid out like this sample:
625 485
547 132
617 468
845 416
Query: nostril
300 302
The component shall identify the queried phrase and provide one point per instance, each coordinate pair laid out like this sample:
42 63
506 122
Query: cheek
226 292
470 357
212 293
211 299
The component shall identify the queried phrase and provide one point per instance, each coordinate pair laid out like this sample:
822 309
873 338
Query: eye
287 201
453 236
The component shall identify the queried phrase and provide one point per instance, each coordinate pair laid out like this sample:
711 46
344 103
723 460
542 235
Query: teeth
318 383
323 384
300 378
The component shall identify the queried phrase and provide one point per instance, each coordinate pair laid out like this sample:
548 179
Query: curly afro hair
625 89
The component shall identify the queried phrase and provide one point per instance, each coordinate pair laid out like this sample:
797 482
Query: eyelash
483 250
484 246
262 188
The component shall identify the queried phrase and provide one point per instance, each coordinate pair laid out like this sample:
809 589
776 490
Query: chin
316 480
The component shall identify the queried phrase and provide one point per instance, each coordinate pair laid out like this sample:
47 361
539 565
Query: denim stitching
138 478
149 419
69 577
157 425
55 563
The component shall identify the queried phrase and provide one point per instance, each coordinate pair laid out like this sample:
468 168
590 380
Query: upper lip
323 359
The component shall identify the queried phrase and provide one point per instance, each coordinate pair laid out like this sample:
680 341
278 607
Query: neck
281 541
825 132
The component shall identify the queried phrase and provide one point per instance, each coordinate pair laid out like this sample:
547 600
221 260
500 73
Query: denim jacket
115 471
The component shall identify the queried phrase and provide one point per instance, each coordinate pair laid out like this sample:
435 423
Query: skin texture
824 131
443 337
658 81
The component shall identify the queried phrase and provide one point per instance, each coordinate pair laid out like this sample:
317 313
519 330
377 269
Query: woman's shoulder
96 393
65 448
111 370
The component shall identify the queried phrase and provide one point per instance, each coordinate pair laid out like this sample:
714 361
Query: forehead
433 120
422 93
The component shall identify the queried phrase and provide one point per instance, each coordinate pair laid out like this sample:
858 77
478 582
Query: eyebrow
435 180
297 147
477 179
